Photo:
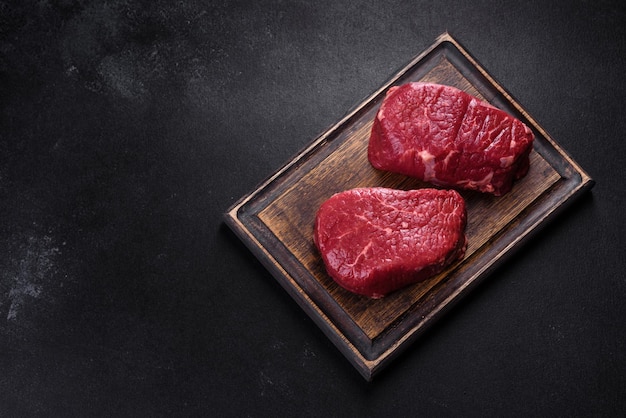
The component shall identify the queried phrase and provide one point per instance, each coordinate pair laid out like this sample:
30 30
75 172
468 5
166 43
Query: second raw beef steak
377 240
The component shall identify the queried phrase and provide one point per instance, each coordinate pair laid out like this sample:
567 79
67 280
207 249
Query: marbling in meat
449 138
377 240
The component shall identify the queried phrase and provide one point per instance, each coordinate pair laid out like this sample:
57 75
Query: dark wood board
276 220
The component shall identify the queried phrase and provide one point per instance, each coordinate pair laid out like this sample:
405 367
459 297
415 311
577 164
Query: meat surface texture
449 138
377 240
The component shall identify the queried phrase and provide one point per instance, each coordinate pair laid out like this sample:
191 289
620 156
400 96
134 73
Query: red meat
376 240
449 138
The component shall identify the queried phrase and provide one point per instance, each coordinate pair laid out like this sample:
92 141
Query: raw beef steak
376 240
449 138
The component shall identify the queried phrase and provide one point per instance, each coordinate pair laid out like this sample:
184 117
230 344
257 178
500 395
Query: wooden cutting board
276 220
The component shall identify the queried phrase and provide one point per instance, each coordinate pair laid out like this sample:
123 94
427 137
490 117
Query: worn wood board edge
368 367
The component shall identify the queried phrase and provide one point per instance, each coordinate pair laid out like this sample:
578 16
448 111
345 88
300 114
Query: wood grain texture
276 220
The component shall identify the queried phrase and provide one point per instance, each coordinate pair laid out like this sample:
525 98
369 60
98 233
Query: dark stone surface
127 128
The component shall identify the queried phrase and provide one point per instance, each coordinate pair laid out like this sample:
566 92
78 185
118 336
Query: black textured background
127 128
